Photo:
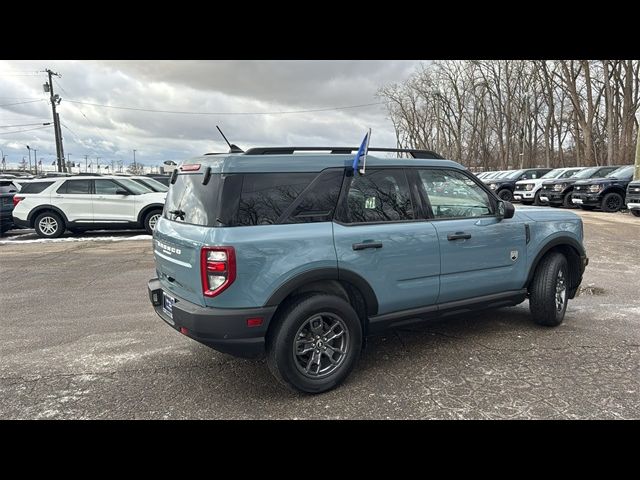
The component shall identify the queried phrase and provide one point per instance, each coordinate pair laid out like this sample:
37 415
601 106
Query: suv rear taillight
218 269
17 200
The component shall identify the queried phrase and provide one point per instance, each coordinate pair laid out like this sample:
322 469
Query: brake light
190 167
17 200
217 269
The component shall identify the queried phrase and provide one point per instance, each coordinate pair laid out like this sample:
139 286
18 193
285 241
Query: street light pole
28 148
35 160
134 162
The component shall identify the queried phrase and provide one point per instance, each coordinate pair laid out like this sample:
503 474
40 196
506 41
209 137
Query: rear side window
34 187
266 196
7 187
379 196
75 187
189 201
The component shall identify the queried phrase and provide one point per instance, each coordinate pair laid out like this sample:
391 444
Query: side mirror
122 191
505 209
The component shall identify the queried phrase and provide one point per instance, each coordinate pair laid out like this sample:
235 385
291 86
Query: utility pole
70 164
35 160
86 170
135 171
28 148
55 99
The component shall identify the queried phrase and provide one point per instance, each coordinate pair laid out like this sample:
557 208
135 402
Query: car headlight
595 188
493 186
528 187
559 187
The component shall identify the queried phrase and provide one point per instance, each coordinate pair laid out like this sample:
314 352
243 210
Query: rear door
109 206
379 237
73 197
480 254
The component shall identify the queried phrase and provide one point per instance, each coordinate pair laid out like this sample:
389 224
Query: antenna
232 148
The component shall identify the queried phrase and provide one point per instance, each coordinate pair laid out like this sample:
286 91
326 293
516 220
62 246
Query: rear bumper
222 329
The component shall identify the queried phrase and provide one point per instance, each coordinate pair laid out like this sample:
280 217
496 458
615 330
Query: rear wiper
177 213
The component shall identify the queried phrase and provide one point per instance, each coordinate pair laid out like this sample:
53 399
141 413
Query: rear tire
612 202
506 195
588 208
314 343
151 219
49 225
549 290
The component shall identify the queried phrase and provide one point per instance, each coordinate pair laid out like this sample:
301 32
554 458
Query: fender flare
326 274
40 208
557 241
147 208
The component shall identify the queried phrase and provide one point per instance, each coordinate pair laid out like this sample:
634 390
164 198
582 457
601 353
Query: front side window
75 187
106 187
454 195
379 196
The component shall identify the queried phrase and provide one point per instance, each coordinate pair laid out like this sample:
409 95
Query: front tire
505 195
49 225
612 202
635 213
151 219
536 199
566 201
548 292
315 343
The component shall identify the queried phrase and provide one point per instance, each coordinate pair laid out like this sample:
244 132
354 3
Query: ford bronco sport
299 257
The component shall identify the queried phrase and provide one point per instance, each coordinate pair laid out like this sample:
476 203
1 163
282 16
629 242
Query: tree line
500 114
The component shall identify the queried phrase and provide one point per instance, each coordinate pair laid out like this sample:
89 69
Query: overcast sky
193 86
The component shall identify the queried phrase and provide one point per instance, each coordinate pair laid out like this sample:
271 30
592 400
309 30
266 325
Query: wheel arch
31 218
143 213
574 253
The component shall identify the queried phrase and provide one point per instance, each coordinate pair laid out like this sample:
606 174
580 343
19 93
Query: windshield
622 172
553 173
568 173
134 186
586 173
154 185
512 175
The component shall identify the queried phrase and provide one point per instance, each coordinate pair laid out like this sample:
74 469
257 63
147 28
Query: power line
20 131
25 125
20 103
227 113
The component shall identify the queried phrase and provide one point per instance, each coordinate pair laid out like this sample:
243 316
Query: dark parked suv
606 193
633 198
504 186
558 192
300 256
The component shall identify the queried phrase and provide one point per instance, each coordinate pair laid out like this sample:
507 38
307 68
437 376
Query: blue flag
362 154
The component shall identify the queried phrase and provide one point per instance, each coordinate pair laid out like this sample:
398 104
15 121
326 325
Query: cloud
212 86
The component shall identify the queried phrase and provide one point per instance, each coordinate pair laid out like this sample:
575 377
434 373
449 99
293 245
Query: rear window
34 187
189 201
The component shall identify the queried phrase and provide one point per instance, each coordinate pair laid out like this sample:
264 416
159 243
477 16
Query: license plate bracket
167 304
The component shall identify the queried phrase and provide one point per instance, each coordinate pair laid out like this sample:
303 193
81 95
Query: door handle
362 246
459 236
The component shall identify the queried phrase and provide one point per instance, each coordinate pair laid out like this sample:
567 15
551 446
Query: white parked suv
88 203
528 191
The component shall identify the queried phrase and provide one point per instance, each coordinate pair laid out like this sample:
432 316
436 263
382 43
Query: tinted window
379 196
106 187
6 187
318 202
78 187
266 196
34 187
453 194
189 201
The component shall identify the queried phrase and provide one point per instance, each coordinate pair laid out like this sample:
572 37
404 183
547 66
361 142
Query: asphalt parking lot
80 340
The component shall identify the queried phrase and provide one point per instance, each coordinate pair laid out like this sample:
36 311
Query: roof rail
340 150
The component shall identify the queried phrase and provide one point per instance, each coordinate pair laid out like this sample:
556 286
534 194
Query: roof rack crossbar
415 153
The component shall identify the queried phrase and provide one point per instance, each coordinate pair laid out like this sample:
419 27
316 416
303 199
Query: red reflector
216 266
190 167
184 331
254 322
16 200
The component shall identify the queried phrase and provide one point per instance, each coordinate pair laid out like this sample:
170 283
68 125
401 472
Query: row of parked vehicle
608 188
54 204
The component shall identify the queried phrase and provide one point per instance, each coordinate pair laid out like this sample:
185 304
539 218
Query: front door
109 206
378 238
481 254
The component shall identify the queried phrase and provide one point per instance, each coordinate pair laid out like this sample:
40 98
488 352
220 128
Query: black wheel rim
561 292
320 345
613 202
506 195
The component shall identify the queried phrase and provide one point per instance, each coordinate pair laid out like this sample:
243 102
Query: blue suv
295 255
